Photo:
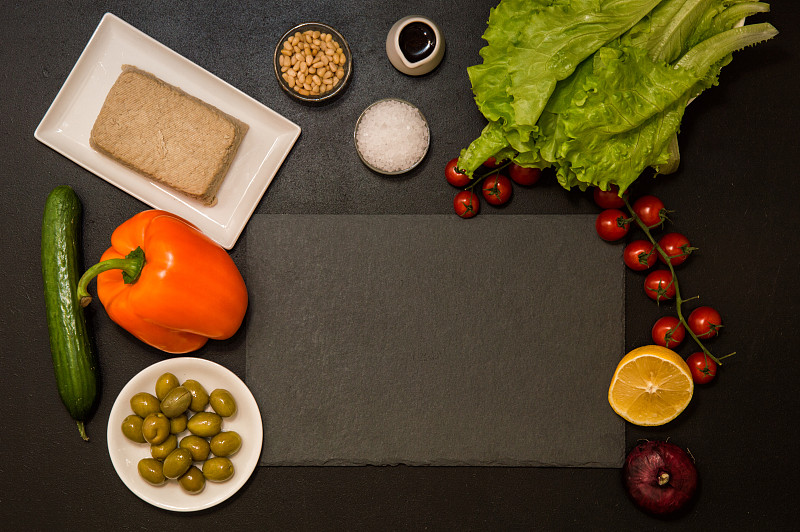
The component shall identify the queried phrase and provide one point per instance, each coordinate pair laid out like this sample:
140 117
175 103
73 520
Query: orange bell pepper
168 284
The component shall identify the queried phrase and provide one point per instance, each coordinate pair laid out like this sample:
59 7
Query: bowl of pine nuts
313 62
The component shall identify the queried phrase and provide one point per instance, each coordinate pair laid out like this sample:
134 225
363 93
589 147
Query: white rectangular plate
67 124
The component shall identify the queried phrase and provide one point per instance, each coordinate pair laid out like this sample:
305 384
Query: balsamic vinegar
417 41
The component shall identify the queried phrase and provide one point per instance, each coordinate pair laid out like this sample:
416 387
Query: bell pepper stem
131 267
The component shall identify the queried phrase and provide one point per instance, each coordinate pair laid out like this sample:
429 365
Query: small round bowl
125 454
347 67
414 163
395 52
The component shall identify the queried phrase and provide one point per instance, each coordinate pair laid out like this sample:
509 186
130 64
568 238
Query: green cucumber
70 346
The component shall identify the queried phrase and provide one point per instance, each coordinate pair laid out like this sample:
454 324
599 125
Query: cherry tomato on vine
639 255
524 176
704 322
658 285
703 368
607 199
491 162
455 176
676 246
497 189
612 225
668 332
467 204
650 210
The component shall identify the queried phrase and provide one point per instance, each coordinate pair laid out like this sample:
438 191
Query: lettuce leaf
533 44
604 118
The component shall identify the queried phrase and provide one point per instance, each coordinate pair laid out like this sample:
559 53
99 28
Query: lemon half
651 386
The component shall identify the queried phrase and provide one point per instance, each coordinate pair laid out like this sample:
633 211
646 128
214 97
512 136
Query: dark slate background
735 196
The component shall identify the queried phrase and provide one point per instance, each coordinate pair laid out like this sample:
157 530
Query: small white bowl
125 454
395 52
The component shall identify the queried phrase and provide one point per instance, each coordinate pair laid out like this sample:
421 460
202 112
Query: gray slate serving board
431 340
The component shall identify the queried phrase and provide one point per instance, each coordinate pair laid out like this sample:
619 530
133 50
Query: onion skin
660 477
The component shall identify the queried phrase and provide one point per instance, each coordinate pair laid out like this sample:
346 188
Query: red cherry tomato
676 246
466 204
705 322
612 225
703 368
668 332
497 189
650 210
607 199
455 176
639 255
491 162
658 285
524 176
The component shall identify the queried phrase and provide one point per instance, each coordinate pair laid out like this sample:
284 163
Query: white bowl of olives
185 434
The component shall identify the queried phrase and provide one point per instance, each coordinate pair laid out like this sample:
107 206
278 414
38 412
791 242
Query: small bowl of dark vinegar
415 45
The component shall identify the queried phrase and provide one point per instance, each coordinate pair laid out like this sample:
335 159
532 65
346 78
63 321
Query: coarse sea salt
392 136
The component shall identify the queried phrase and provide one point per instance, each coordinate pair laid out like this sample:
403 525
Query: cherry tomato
524 176
491 162
497 189
607 199
639 255
650 210
658 285
612 225
676 246
467 204
704 322
703 368
668 332
454 176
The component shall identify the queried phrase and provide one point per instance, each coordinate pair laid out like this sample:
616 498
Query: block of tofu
167 135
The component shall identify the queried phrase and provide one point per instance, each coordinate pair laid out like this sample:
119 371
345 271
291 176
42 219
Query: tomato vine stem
477 180
679 301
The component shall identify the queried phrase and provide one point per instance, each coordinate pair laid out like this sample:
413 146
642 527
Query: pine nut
312 62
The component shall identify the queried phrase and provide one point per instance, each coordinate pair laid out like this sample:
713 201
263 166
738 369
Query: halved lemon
651 386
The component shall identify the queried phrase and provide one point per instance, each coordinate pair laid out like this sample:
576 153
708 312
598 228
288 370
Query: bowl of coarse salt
392 136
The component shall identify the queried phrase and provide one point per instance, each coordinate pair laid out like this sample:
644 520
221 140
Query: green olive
177 463
152 471
223 402
204 424
155 428
162 450
199 395
144 403
176 402
165 384
225 443
178 424
199 447
193 480
132 428
218 469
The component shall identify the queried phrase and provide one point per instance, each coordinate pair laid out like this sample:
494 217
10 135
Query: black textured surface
371 341
735 196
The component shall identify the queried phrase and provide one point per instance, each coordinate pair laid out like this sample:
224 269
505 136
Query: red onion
660 477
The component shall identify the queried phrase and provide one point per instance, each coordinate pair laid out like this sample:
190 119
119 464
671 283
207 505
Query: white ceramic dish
395 53
67 124
125 454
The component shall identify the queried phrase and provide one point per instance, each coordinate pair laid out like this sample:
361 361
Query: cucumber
70 346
